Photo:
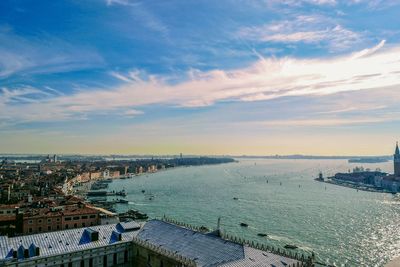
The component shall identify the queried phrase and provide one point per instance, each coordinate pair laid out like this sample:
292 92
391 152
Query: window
58 219
58 227
75 225
30 230
66 226
69 264
84 217
83 225
105 261
82 263
125 256
40 221
76 218
48 220
40 229
115 259
67 218
91 262
30 221
92 216
49 228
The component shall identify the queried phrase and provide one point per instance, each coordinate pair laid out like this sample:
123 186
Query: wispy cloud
374 4
140 12
369 51
267 78
132 113
42 54
311 29
327 122
296 3
118 2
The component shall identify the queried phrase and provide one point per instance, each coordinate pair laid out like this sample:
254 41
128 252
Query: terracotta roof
9 206
65 211
7 218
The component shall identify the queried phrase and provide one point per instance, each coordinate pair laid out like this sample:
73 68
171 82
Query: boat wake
279 238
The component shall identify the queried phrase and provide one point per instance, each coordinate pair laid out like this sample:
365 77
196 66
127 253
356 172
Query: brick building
59 218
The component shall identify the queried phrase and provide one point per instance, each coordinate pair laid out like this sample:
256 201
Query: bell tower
396 161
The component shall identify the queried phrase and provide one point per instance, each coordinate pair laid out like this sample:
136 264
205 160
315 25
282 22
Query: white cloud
312 29
374 4
295 3
33 55
268 78
132 112
141 13
328 122
120 2
369 51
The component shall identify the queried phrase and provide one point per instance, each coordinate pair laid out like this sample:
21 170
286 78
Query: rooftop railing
303 260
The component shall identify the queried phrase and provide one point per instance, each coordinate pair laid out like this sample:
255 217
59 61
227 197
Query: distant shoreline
354 186
65 157
83 188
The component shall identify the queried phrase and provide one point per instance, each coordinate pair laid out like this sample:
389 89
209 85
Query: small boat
290 246
262 234
244 225
235 198
122 201
121 193
143 191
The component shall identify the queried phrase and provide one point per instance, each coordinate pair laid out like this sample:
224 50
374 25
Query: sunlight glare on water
279 198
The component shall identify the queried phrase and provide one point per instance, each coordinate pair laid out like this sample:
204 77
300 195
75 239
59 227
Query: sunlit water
342 226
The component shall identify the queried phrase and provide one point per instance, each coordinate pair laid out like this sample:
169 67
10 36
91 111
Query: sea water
280 198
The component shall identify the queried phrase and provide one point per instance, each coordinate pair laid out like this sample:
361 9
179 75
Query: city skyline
316 77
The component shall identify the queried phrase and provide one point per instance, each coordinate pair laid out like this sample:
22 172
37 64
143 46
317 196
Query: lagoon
278 197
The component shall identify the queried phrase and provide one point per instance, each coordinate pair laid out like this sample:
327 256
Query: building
103 245
396 161
59 218
364 177
156 244
392 182
163 244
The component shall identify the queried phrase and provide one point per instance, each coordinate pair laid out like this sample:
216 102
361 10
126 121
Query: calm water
340 225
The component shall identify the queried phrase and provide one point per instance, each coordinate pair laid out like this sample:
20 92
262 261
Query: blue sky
200 77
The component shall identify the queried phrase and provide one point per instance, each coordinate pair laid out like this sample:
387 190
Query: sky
226 77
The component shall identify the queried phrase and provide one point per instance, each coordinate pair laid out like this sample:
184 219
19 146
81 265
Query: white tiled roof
207 250
61 242
259 258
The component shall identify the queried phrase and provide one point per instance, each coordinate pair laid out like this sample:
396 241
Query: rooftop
67 241
67 210
207 249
